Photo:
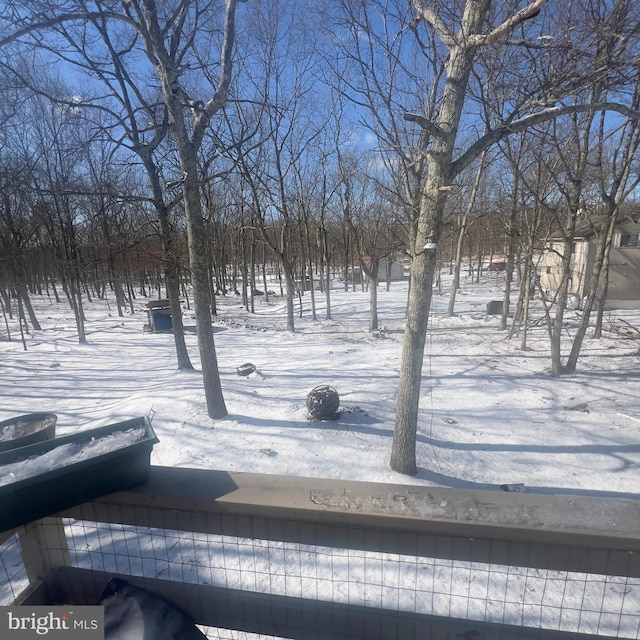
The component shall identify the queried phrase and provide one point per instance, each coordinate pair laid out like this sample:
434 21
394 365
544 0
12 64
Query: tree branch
530 11
518 126
426 124
219 97
433 19
41 23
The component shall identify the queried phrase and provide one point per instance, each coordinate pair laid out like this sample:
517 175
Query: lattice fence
522 596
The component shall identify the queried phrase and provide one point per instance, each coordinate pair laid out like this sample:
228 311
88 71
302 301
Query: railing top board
554 519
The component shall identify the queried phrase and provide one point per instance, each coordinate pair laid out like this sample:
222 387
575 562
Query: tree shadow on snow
358 421
458 483
349 420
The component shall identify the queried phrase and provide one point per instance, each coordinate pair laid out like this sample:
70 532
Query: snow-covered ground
490 413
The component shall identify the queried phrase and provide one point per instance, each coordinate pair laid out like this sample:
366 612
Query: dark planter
323 403
50 491
27 429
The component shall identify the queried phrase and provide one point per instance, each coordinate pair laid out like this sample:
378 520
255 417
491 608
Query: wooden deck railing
363 560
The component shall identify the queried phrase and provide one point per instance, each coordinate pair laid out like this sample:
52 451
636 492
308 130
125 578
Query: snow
12 431
68 454
131 612
25 427
567 601
490 414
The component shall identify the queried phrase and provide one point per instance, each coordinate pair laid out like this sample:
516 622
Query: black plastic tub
27 429
47 491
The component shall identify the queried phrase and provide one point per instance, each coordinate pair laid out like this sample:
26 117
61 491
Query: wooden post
44 548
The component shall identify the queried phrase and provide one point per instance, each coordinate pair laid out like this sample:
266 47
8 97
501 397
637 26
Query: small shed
395 270
624 263
159 313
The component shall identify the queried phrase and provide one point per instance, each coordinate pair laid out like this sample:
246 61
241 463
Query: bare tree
462 47
325 194
275 137
531 170
463 224
461 34
189 120
18 230
368 219
145 125
617 179
168 38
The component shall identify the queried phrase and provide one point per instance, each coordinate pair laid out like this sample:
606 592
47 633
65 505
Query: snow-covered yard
490 413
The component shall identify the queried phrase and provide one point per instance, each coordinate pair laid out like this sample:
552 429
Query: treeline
78 221
99 237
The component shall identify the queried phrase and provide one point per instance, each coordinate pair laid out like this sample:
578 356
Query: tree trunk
524 317
372 278
265 284
252 272
75 294
310 266
198 253
290 287
602 299
5 294
348 269
461 234
22 321
508 274
325 268
173 292
403 451
433 200
605 241
170 263
188 132
457 266
4 315
23 293
561 298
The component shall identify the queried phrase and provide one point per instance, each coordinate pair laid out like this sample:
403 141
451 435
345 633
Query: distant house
624 264
396 271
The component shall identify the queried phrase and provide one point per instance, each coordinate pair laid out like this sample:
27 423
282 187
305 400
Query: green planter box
93 474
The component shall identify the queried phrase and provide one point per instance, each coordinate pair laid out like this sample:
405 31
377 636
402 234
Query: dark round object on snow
323 403
27 429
